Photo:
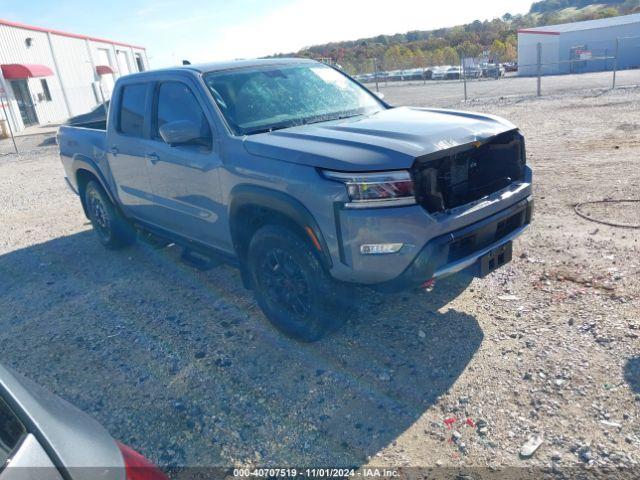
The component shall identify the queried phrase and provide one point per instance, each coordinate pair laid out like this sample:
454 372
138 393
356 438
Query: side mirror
380 95
180 132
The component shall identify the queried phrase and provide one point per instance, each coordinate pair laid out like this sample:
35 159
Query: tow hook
428 285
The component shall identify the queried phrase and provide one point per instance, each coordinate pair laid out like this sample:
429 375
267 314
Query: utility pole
615 61
464 78
539 69
4 104
375 73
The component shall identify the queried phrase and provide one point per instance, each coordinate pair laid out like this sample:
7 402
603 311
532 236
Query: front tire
112 229
297 296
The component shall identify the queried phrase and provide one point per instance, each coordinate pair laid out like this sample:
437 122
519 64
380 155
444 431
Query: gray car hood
390 139
71 438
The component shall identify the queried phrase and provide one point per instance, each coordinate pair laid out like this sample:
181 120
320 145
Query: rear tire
295 293
112 229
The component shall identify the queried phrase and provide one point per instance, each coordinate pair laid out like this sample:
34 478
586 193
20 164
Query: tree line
447 46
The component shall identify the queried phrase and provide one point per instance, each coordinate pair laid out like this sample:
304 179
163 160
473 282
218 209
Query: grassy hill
446 46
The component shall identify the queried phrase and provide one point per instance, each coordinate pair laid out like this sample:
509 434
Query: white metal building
587 46
47 75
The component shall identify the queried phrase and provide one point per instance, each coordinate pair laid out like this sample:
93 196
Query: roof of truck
221 66
260 62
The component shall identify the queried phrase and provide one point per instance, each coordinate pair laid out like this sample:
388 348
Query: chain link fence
548 71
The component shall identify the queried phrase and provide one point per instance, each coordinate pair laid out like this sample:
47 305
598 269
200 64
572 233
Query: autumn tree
450 56
468 49
445 46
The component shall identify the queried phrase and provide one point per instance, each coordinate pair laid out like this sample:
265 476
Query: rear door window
132 109
11 433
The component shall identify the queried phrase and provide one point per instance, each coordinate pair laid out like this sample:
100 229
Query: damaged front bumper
462 249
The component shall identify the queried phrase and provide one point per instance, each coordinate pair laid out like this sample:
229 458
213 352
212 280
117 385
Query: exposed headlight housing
378 189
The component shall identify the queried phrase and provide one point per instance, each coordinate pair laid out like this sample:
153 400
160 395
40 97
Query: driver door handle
153 157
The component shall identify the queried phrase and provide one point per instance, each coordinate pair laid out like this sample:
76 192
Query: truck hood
390 139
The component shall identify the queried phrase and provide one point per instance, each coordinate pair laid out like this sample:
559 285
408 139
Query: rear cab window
12 431
133 103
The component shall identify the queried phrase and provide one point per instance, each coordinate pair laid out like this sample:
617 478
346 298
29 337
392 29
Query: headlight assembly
378 189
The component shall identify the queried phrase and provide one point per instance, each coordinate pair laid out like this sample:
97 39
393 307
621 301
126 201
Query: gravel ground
182 365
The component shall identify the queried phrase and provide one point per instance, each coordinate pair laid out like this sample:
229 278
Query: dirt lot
183 366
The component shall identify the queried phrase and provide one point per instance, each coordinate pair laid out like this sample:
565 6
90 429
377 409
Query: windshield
261 99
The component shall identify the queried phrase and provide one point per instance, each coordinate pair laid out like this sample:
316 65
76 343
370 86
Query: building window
104 56
139 62
45 90
123 62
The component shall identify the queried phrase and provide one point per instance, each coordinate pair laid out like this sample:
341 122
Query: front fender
282 203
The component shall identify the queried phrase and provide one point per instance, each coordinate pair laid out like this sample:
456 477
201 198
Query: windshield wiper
271 128
330 118
303 121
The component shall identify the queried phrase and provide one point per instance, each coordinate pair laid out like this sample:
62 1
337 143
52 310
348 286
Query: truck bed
81 143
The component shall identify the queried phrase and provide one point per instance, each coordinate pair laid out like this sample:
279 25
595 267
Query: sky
202 31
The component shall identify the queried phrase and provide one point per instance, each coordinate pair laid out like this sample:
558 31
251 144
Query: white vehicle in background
493 70
365 77
472 71
395 75
453 73
382 76
439 72
414 74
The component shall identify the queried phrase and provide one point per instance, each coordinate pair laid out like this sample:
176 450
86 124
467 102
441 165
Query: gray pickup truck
304 179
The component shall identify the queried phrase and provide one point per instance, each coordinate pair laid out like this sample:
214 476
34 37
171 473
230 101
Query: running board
198 261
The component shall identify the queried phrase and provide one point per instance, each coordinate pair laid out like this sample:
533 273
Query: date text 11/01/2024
315 473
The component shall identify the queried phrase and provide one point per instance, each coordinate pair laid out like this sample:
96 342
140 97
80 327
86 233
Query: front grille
470 173
467 244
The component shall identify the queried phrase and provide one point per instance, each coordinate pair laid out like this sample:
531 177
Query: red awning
103 70
15 71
